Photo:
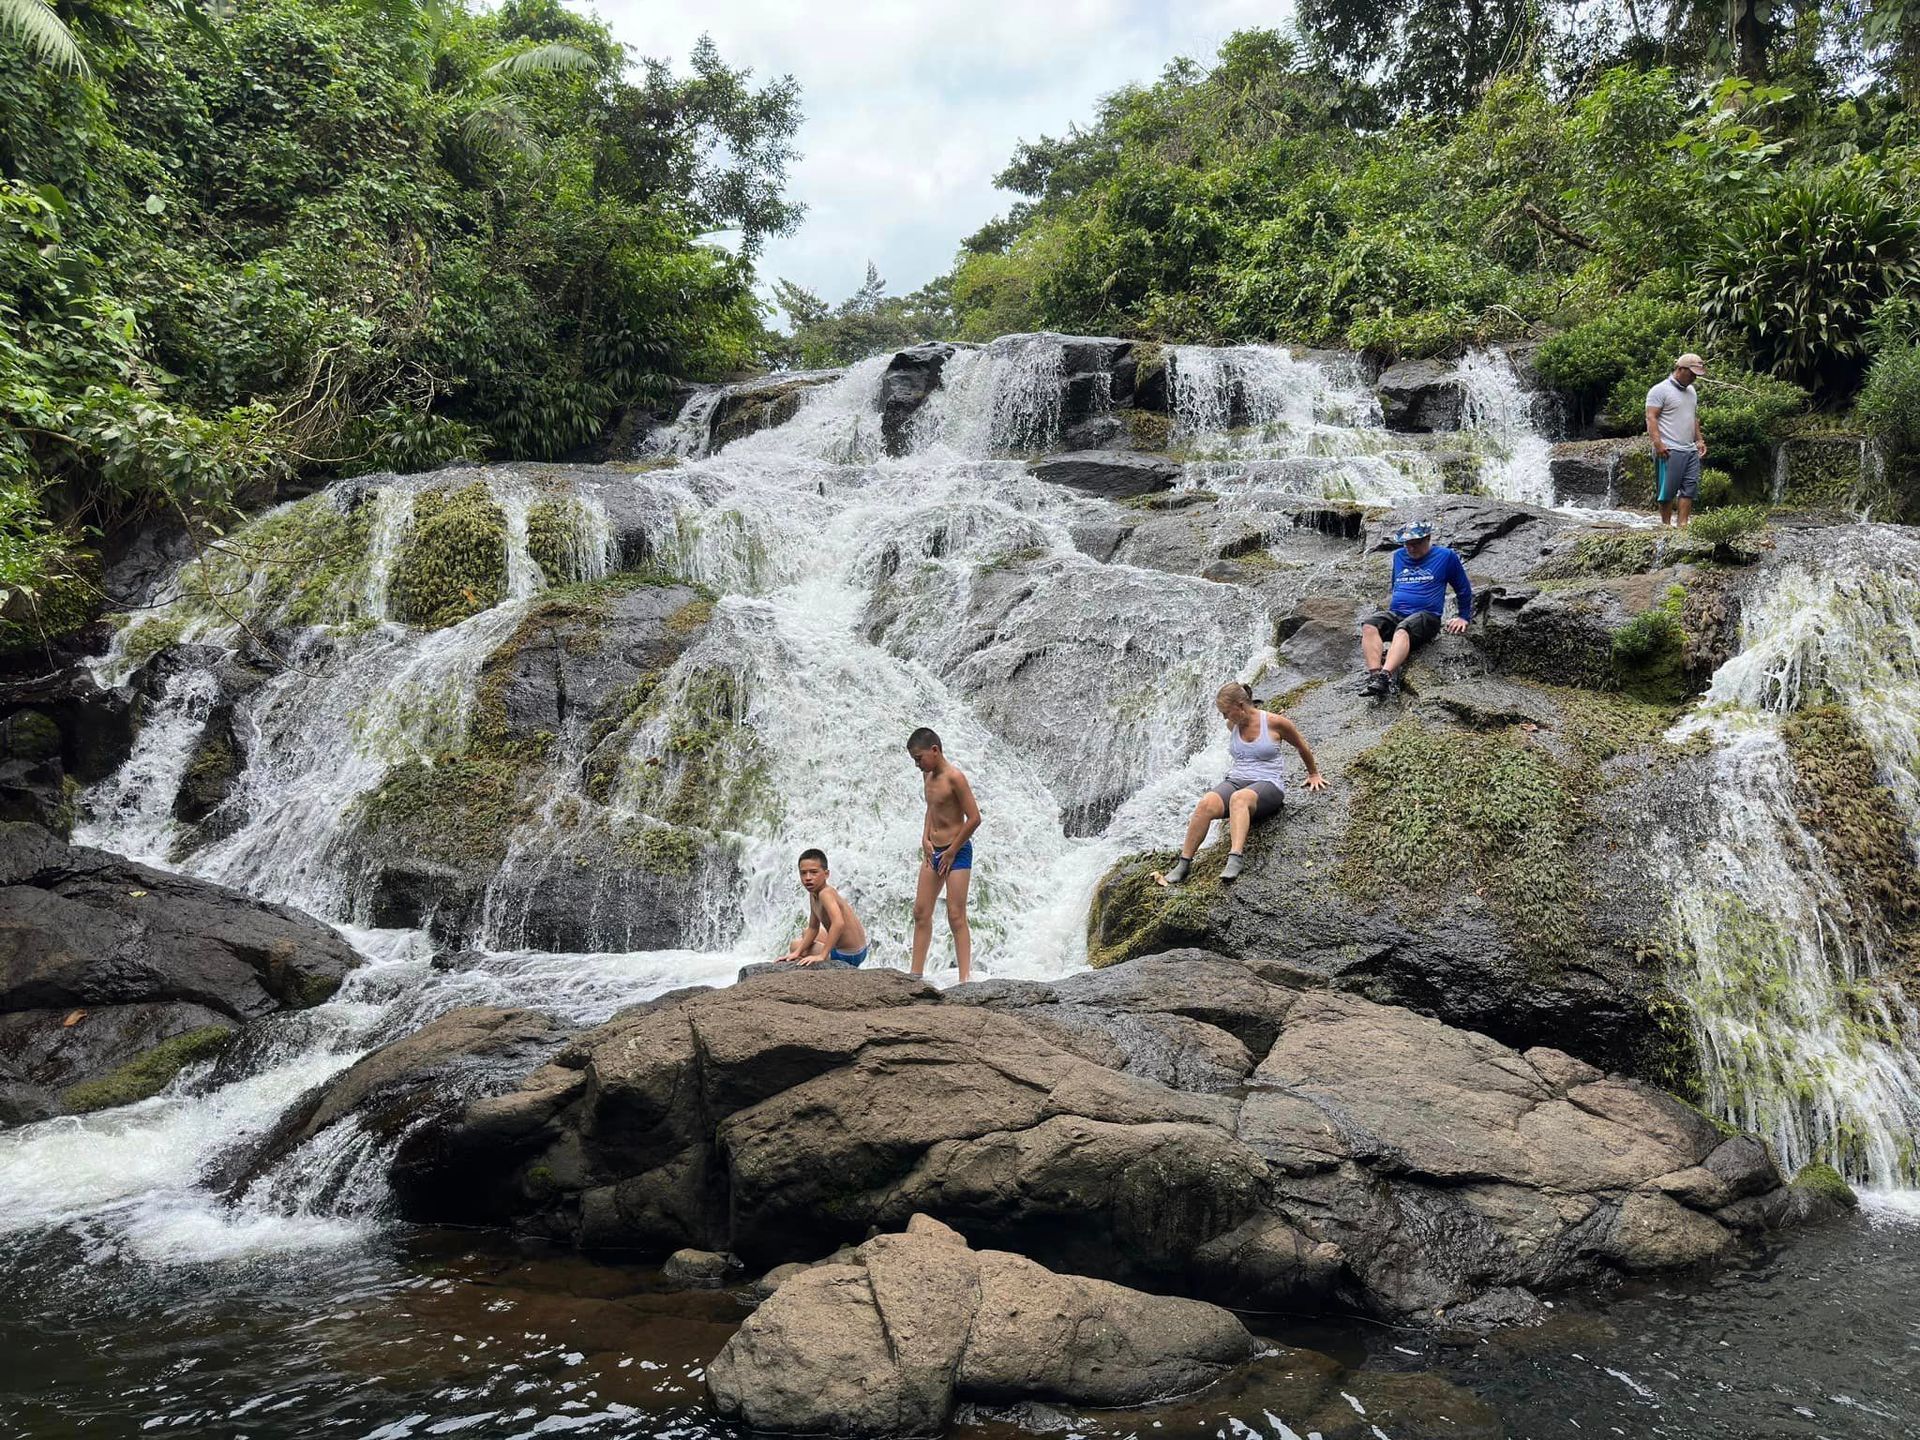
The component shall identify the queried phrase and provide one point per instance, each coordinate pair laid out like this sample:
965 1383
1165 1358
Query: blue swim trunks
962 860
845 959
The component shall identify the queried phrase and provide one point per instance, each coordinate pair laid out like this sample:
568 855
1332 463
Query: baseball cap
1691 361
1418 530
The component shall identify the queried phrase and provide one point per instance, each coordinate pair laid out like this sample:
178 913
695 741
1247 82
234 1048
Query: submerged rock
114 976
912 1323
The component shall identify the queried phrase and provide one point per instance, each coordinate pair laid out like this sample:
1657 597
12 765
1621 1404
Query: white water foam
1805 1030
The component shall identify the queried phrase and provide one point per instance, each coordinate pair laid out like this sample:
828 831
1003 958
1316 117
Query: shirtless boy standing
946 850
834 935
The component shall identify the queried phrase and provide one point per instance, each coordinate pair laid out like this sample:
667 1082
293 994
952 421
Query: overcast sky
912 106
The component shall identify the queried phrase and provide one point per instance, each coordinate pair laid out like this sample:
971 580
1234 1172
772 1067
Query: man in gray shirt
1673 423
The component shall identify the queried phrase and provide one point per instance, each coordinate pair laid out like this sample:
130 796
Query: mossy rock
556 526
1133 914
67 600
458 810
149 1073
1436 808
1826 1184
1149 430
1650 651
304 564
1858 820
453 563
29 735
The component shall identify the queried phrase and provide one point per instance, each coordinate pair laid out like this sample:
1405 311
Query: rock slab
888 1342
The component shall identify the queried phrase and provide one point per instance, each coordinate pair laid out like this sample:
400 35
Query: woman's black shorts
1269 796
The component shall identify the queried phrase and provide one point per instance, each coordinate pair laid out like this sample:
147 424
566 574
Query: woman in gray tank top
1256 782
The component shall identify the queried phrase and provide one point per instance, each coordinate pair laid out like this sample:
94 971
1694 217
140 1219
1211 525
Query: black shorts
1421 626
1268 797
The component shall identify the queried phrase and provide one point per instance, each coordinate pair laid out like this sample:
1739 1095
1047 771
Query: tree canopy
312 235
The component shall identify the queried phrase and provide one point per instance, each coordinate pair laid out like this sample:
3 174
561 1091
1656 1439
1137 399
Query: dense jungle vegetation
295 236
1411 177
246 240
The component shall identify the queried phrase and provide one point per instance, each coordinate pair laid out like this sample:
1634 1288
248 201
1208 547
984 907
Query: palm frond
542 59
497 124
43 33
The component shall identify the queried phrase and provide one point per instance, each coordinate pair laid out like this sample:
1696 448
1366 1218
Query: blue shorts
962 860
841 957
1677 475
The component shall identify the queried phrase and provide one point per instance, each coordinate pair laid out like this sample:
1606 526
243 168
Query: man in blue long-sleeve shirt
1422 571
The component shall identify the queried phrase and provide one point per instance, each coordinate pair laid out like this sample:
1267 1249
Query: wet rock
448 1063
1116 476
145 960
887 1344
1421 395
761 404
698 1267
1586 472
96 726
911 376
1099 540
559 692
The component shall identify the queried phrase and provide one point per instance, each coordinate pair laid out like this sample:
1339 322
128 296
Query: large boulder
563 694
1421 395
761 404
886 1342
1185 1122
911 376
114 976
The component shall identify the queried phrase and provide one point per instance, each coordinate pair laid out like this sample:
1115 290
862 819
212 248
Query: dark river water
438 1333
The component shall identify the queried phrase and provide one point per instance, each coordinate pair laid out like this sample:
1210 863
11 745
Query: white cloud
912 108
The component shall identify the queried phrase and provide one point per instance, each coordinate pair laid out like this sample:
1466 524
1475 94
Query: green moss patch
1150 430
1825 1183
456 810
555 526
1435 809
1650 650
149 1073
454 561
1857 820
66 601
1133 914
305 564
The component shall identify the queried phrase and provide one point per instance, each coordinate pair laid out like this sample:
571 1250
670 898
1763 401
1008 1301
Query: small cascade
1252 418
1791 971
689 434
1499 415
1003 399
131 811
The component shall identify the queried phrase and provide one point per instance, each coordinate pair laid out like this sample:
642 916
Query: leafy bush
1794 280
1716 486
1890 403
1640 335
1720 528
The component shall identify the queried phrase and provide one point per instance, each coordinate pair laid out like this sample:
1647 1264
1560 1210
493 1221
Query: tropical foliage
287 236
1414 177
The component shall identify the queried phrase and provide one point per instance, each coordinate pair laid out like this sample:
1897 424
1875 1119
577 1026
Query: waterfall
1254 419
1003 399
1499 413
1791 976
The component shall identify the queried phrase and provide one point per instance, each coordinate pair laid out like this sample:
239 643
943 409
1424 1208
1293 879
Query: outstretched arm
804 945
1290 732
1462 596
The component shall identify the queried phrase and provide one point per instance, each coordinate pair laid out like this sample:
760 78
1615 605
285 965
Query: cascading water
1792 976
1499 414
857 596
1252 418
